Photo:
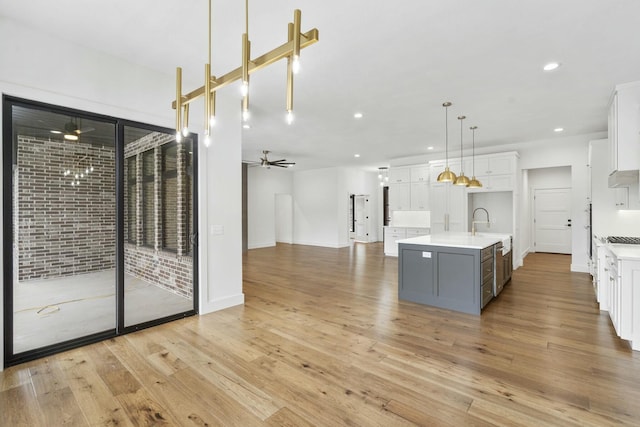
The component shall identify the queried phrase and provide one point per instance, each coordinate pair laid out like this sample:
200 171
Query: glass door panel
64 227
158 225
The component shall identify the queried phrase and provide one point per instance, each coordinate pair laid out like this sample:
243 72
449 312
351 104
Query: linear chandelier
290 50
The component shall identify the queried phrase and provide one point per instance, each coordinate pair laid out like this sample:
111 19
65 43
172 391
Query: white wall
320 204
262 186
284 218
607 220
315 208
558 152
32 67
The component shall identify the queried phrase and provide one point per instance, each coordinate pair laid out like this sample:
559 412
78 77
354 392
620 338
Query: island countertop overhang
457 240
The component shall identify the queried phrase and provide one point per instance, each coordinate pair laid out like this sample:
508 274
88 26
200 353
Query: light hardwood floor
322 340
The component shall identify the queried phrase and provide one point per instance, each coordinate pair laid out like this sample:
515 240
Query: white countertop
628 252
457 240
621 251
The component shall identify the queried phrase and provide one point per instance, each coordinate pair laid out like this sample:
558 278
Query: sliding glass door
98 228
64 227
158 225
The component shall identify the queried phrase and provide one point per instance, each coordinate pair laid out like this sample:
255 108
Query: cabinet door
438 196
434 170
500 182
481 166
397 175
501 165
457 208
420 174
621 197
391 237
420 196
400 197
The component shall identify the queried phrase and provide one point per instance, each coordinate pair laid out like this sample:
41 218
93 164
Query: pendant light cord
461 151
209 32
446 135
246 17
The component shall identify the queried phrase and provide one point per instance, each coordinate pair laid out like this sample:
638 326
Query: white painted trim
221 304
322 244
579 268
261 245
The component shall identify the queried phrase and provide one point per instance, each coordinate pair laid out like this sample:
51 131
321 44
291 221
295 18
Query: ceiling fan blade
85 130
278 165
277 161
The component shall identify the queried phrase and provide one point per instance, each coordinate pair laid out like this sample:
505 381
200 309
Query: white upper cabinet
400 196
420 196
397 175
496 172
624 128
420 173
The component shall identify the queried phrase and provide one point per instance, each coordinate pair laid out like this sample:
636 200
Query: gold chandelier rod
280 52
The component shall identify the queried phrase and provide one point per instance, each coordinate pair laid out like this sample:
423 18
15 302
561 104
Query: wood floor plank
96 400
322 339
19 407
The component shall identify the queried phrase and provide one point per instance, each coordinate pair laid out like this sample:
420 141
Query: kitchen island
455 271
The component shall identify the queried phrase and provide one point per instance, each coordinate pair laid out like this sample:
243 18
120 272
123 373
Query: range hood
623 178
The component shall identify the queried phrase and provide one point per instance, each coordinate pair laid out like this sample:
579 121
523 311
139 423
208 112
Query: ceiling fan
266 163
72 131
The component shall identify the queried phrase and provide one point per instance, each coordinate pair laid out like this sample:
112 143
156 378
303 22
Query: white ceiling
395 62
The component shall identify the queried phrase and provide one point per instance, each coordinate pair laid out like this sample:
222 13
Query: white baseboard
579 268
220 304
260 245
322 244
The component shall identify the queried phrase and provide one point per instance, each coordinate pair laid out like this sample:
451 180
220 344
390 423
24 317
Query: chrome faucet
474 222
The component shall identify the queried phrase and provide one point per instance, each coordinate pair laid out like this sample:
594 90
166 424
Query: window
169 203
148 198
131 212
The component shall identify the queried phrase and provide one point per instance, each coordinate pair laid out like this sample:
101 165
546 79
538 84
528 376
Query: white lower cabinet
391 237
619 293
393 234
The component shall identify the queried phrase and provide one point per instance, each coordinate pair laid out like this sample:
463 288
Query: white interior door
362 218
552 220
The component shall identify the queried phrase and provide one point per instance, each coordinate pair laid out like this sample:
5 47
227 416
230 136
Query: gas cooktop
624 240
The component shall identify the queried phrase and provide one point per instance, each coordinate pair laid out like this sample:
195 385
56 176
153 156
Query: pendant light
474 183
446 175
290 49
461 180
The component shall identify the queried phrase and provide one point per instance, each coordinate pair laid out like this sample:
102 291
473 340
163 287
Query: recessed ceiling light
558 129
430 148
246 126
356 155
551 66
57 132
358 115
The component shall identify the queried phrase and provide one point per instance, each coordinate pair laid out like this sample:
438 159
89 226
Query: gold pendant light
474 183
446 175
290 50
461 180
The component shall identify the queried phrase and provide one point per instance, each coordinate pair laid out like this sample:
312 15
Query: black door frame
10 359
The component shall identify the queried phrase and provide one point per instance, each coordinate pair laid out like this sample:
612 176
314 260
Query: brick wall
64 230
169 269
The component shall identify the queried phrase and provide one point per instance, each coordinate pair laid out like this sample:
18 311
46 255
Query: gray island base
455 271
